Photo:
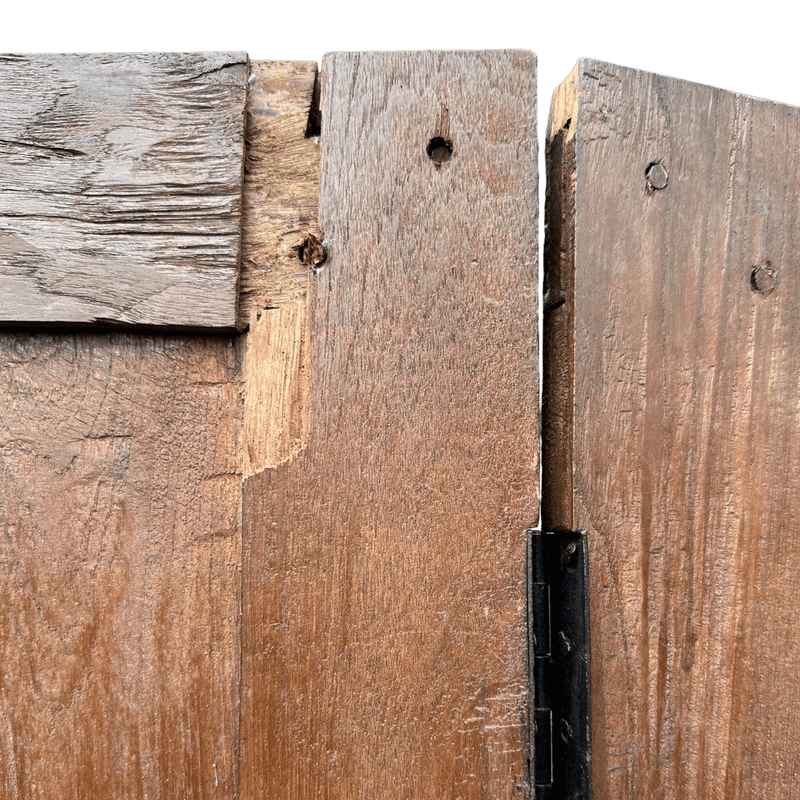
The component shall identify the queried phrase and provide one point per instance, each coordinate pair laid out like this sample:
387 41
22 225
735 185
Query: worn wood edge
558 307
563 104
279 211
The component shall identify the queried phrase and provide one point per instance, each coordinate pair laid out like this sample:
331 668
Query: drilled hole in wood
439 150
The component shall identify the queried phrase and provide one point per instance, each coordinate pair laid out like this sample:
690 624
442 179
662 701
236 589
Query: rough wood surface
120 498
120 188
683 366
383 640
281 203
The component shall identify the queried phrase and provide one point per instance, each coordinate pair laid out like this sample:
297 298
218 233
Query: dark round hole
439 150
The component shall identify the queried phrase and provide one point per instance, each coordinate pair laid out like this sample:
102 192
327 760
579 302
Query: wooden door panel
671 387
120 505
384 562
357 626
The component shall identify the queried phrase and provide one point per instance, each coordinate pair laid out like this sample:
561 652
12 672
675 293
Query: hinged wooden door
671 429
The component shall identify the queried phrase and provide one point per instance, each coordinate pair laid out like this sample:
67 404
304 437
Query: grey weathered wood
120 188
672 423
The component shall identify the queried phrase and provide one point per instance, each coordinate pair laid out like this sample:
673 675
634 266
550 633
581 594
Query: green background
750 48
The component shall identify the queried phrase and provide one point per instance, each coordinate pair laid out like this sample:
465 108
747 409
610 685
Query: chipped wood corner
280 242
563 107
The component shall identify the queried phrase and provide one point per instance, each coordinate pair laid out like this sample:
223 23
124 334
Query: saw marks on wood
120 188
674 308
384 566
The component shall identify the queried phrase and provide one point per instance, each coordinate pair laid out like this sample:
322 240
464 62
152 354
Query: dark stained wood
383 639
120 495
674 442
120 188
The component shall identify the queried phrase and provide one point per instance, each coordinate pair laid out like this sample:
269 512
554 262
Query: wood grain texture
281 204
281 200
683 416
120 495
383 640
120 195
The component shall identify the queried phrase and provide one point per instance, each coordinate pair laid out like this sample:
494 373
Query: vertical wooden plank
120 494
673 319
281 206
384 565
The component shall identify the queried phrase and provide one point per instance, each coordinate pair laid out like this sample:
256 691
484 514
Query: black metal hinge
559 649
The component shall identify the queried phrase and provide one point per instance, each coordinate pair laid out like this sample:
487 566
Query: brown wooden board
672 394
119 566
120 512
383 640
120 188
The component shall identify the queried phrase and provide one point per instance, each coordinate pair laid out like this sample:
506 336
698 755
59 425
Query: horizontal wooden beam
120 188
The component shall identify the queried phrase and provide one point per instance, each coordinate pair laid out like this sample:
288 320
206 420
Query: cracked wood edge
121 188
281 202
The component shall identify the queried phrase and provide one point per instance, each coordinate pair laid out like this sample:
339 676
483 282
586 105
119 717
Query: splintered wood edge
558 306
564 105
280 210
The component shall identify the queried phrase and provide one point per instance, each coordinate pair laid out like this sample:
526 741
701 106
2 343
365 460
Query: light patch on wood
280 207
277 388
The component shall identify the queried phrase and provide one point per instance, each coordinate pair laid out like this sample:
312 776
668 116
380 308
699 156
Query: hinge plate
558 600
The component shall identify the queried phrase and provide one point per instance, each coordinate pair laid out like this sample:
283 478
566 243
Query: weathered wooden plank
383 640
120 494
281 205
672 389
120 505
120 188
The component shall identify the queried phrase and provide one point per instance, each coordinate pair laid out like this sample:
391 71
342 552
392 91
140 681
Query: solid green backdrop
748 48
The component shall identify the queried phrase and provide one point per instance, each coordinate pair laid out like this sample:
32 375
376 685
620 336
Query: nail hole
763 279
656 176
439 150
